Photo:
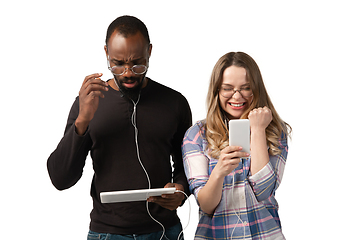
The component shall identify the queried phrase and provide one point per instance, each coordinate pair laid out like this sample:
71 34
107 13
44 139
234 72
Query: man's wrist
81 127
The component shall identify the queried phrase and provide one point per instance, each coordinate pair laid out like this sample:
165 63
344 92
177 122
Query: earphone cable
133 121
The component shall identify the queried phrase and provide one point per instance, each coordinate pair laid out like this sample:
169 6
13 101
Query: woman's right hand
229 160
210 195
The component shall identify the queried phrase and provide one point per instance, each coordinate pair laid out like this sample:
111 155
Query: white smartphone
239 134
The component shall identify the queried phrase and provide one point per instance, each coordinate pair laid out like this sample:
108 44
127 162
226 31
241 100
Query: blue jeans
171 233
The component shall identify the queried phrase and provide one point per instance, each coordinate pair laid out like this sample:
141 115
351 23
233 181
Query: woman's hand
229 159
260 118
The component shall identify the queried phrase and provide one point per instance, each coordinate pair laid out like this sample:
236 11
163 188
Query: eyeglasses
228 92
120 70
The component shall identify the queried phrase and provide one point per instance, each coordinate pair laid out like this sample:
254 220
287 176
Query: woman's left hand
260 118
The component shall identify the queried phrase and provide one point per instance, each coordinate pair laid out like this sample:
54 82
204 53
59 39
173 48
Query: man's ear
150 49
106 52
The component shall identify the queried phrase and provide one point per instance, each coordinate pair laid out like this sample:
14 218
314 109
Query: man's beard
132 93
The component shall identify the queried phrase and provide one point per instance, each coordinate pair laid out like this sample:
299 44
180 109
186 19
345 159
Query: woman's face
235 104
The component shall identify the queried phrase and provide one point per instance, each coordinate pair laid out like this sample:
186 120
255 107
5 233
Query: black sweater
162 117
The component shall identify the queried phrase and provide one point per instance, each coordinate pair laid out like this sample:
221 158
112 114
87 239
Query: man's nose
128 72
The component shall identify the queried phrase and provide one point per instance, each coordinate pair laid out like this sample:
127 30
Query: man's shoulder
160 88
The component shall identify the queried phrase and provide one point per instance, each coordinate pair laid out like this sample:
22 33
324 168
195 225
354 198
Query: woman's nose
237 95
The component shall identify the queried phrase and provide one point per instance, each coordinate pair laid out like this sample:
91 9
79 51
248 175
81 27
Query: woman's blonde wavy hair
216 123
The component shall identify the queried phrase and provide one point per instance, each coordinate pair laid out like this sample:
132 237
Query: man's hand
89 94
170 201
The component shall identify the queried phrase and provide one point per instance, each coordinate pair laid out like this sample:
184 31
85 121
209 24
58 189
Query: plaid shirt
248 206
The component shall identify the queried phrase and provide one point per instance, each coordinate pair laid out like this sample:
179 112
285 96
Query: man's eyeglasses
120 70
228 92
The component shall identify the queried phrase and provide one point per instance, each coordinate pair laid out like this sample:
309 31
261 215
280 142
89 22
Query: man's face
127 52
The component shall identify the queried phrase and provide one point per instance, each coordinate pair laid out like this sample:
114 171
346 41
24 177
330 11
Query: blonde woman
235 190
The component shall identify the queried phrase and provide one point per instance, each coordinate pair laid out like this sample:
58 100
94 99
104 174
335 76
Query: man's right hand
89 94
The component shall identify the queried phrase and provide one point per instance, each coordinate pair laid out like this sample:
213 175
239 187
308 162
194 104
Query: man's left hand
169 201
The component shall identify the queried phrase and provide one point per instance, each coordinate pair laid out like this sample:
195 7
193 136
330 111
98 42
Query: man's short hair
127 26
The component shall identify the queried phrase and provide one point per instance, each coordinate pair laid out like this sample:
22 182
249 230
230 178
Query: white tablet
239 134
133 195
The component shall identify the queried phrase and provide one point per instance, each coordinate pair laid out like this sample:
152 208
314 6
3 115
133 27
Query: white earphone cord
233 201
133 121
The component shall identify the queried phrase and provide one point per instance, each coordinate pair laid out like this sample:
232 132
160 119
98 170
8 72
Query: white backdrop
308 52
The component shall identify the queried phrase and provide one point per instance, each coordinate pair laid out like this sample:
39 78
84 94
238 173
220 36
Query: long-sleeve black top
162 117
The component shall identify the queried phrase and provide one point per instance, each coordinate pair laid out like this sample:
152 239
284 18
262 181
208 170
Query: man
132 127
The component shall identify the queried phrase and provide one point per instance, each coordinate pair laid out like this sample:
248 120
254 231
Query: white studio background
308 52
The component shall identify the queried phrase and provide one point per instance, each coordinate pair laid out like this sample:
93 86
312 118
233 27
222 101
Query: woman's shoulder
198 126
196 130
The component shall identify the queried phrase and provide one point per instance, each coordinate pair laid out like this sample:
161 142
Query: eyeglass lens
229 92
137 69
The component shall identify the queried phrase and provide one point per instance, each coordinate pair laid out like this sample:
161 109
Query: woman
236 190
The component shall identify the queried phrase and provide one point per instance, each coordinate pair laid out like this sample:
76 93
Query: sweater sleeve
65 165
184 124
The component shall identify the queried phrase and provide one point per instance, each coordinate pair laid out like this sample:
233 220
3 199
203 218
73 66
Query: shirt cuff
261 177
76 134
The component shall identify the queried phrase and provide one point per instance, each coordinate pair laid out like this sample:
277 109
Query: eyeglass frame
130 68
234 91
